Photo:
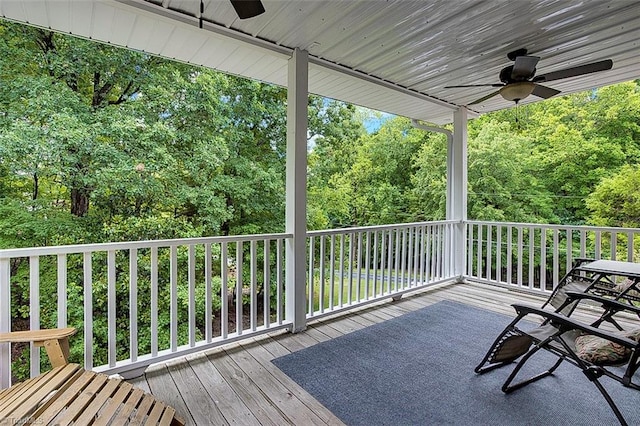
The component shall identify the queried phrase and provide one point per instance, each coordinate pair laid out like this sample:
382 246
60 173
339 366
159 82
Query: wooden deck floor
238 384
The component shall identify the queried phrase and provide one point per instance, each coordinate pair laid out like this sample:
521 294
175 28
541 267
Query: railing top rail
549 226
126 245
378 227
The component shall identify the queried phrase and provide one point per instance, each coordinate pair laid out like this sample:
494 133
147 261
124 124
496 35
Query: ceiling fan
245 9
520 80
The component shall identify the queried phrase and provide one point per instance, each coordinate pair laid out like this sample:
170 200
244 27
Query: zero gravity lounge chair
593 350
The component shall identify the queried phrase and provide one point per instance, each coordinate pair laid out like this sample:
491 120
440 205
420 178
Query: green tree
616 201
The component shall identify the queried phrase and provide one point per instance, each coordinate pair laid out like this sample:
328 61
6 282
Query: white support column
296 189
457 190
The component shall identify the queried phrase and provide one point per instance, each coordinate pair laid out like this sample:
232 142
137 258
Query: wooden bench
70 395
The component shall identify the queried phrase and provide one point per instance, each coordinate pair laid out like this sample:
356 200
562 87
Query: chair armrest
607 303
37 335
565 324
55 342
579 261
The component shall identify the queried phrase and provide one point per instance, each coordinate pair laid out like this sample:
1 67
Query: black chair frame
556 335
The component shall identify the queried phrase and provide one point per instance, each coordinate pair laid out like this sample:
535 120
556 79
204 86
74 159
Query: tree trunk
79 202
34 196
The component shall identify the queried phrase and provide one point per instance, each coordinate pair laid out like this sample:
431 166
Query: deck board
202 408
238 384
265 411
161 384
219 391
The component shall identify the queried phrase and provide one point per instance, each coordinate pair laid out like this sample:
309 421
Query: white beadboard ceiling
391 55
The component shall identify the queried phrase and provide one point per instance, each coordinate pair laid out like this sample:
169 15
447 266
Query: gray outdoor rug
417 369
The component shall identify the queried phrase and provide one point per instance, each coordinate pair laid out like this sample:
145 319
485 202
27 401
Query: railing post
5 323
457 189
296 189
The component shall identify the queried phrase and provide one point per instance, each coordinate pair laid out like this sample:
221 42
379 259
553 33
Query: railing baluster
489 256
598 245
629 246
556 260
543 259
351 259
279 297
87 273
367 265
191 276
409 256
532 252
375 264
499 253
321 277
479 251
208 294
173 283
423 259
416 255
359 267
310 283
439 251
429 254
569 259
266 285
34 312
389 260
520 254
332 271
341 293
224 290
239 288
154 301
5 321
403 260
253 302
133 304
62 291
111 307
383 260
470 246
509 254
614 245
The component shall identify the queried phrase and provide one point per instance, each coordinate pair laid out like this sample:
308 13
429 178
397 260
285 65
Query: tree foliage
103 144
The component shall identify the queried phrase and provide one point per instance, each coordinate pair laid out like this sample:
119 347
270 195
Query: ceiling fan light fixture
517 91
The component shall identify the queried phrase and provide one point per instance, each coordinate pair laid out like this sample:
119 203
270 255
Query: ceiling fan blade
484 98
475 85
544 92
524 67
575 71
247 8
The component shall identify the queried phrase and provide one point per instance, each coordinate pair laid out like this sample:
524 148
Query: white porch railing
353 266
136 303
536 256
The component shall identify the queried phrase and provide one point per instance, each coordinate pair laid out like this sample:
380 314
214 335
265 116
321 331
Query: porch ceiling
393 56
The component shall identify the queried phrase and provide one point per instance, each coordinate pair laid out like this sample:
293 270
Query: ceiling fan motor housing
506 75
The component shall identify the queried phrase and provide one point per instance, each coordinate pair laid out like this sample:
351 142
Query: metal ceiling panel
396 56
